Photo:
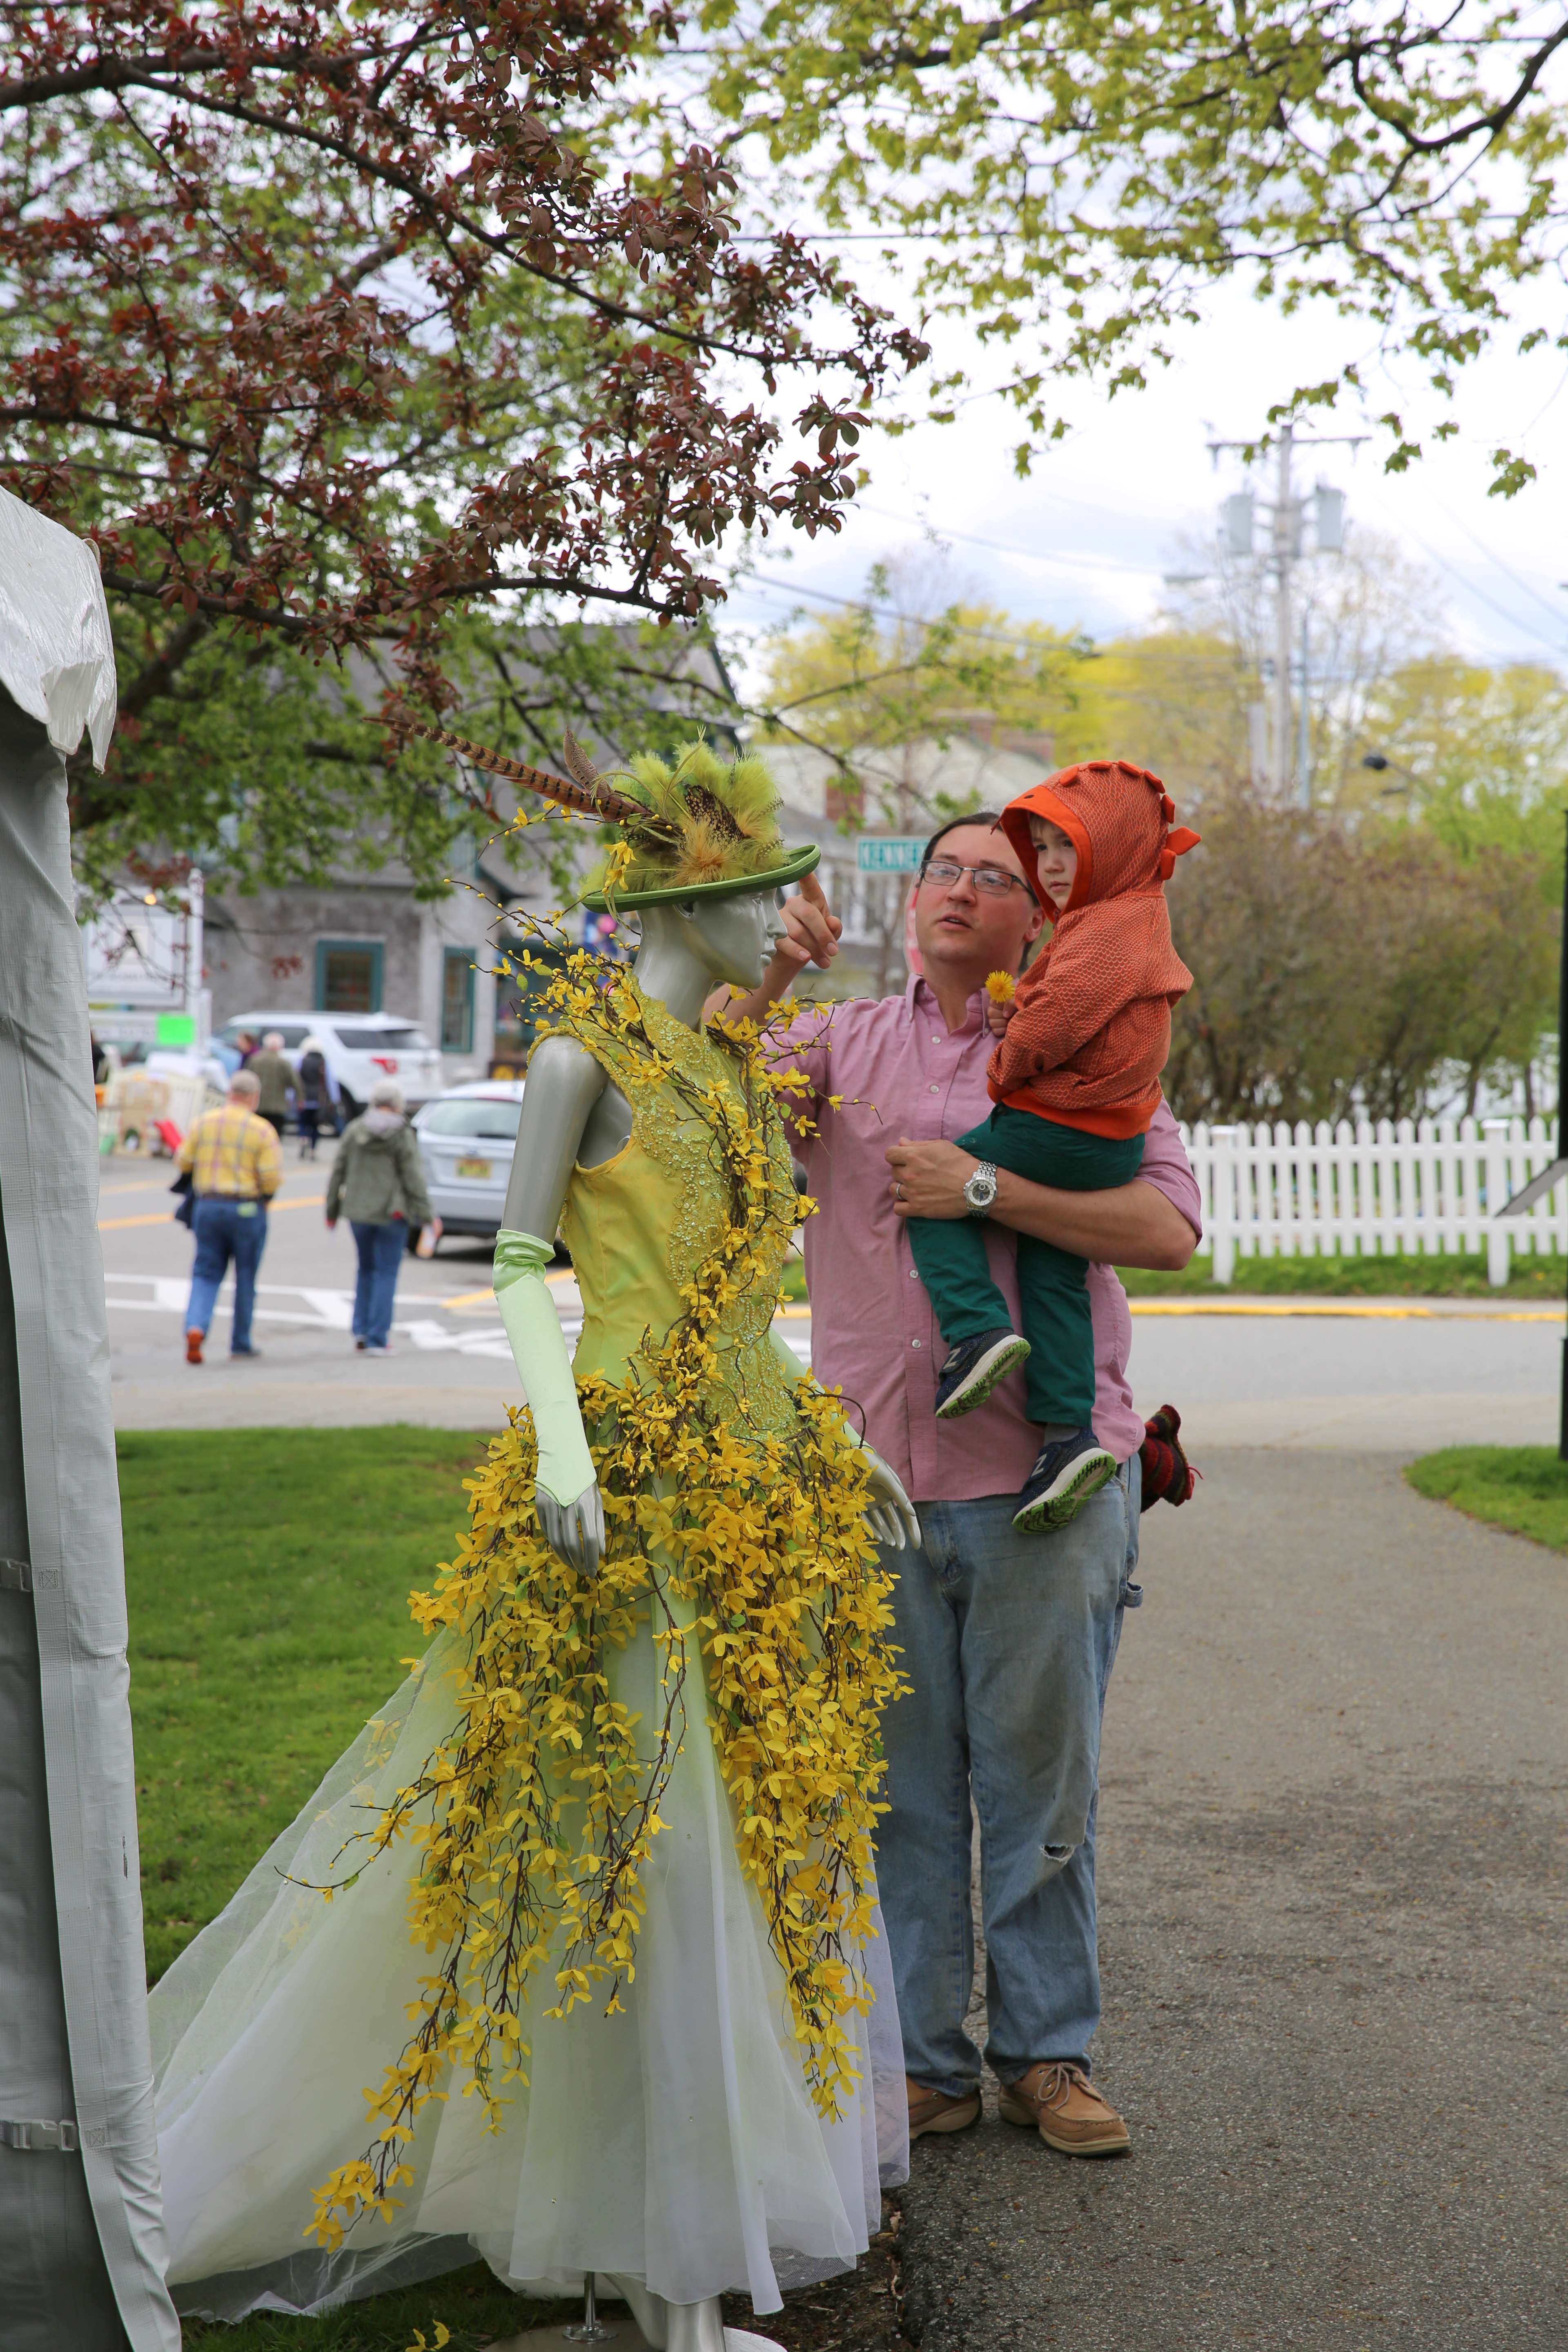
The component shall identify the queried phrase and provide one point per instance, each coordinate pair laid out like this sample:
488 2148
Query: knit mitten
1168 1475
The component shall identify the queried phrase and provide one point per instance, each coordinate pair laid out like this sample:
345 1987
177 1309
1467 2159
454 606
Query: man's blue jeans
1009 1641
227 1232
380 1249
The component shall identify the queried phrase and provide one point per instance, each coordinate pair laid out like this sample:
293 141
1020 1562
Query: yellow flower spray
537 1814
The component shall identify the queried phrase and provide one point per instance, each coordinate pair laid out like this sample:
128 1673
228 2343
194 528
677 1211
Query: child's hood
1118 818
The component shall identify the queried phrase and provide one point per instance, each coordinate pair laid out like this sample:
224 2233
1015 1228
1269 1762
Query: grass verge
1521 1488
1543 1279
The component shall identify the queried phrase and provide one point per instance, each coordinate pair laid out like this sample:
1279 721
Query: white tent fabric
81 2240
57 655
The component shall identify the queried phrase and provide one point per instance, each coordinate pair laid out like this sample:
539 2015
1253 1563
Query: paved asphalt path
1333 1913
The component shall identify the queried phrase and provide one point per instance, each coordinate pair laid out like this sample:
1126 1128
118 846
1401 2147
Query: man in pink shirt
1007 1638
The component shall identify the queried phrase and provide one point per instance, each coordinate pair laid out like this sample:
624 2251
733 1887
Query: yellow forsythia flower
738 1538
1001 988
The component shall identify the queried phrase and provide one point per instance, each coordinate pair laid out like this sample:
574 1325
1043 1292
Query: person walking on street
378 1184
1007 1639
275 1074
317 1098
236 1167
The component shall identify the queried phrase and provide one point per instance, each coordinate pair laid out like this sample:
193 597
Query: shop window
457 1001
348 975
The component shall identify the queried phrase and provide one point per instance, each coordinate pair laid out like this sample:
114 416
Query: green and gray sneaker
973 1369
1066 1472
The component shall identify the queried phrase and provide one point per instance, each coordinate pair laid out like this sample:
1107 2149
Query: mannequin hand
889 1514
575 1531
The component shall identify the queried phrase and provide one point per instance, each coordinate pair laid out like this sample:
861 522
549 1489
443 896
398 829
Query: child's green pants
1053 1289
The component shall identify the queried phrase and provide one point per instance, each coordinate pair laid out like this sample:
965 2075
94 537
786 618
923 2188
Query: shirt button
914 1274
914 1343
936 1090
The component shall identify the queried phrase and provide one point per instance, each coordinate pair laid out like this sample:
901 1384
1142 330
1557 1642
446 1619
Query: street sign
895 854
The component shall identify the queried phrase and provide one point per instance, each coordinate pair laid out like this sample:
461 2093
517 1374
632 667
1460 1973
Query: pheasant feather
588 797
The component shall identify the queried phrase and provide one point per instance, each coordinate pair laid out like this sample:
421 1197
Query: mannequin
575 1115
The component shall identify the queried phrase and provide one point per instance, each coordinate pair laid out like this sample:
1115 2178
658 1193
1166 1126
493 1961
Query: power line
1010 547
1493 558
1554 645
891 612
1148 649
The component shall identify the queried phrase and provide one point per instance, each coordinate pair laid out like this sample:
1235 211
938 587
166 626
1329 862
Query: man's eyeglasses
946 871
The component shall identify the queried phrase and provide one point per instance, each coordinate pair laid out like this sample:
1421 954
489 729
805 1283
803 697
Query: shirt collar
921 998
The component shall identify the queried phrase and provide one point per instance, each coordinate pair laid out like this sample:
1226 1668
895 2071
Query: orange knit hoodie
1092 1030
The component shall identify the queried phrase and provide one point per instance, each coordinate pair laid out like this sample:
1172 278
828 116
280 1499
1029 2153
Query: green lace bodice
707 1148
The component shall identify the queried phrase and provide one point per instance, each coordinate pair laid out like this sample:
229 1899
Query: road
1402 1377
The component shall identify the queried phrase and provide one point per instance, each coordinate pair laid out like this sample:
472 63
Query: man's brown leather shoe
1067 2110
935 2111
193 1346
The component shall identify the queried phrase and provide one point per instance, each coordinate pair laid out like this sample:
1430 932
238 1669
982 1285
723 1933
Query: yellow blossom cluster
735 1535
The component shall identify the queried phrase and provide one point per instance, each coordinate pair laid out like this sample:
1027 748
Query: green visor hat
692 826
796 866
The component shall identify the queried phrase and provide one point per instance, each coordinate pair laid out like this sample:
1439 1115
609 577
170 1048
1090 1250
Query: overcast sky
1085 542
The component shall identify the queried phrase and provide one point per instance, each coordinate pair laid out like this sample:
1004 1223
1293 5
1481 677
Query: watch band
986 1168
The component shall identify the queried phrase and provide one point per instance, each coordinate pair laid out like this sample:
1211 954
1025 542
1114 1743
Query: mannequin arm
890 1513
564 1083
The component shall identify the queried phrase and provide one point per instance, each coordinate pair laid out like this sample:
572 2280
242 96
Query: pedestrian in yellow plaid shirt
236 1165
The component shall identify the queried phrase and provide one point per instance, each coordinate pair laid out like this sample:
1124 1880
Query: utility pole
1287 538
1304 730
1284 551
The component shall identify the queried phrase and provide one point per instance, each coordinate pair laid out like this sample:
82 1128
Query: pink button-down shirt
873 1333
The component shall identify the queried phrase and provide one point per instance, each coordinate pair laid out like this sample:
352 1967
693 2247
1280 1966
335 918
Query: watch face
981 1190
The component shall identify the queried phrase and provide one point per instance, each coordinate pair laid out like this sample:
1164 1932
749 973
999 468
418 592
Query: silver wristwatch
981 1190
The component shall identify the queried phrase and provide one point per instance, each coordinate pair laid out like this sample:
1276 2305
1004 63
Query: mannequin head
730 938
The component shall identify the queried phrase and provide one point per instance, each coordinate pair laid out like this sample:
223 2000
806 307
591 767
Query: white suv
360 1047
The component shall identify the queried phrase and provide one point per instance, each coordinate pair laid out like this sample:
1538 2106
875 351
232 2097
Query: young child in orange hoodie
1076 1081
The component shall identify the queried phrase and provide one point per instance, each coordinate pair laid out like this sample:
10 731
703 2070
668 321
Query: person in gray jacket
378 1184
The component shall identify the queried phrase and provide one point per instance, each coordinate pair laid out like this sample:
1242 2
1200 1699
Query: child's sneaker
1066 1472
973 1369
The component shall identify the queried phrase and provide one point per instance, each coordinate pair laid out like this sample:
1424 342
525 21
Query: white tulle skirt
675 2143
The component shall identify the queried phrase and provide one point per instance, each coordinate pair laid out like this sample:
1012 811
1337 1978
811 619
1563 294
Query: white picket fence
1417 1187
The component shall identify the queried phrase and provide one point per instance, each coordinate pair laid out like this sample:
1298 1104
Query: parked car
466 1141
360 1047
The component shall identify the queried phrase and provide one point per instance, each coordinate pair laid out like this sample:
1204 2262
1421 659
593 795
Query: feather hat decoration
693 825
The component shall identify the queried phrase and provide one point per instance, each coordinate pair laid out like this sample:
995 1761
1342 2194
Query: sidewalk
1333 1891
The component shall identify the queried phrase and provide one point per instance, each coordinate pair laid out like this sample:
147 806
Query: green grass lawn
471 2305
1522 1488
267 1572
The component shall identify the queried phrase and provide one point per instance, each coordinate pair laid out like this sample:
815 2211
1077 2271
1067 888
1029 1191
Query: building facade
365 945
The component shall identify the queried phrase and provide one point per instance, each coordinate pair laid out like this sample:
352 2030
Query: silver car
466 1141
